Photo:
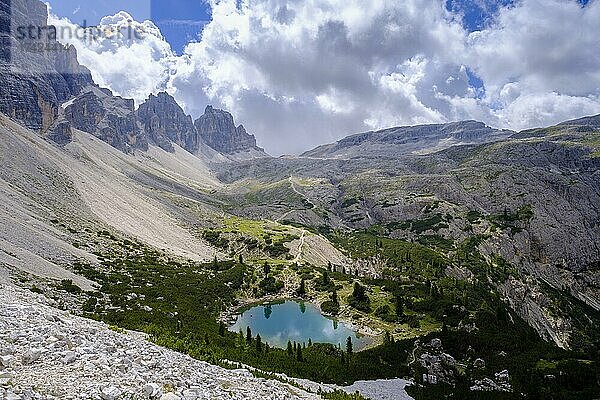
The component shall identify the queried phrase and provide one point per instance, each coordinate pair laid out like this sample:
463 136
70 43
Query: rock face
60 132
439 365
50 354
110 118
217 129
164 122
35 83
421 139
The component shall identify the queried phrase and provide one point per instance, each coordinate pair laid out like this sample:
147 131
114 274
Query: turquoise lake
295 321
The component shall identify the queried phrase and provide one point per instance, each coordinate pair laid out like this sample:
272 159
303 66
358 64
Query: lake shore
231 314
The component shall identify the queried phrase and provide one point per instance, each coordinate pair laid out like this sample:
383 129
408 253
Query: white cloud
542 109
317 70
540 61
300 73
131 58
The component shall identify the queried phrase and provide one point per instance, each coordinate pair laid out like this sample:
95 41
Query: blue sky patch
476 13
180 21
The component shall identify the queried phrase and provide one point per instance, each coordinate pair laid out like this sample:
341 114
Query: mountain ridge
402 140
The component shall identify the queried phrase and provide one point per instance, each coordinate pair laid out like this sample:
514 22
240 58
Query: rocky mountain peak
165 122
35 83
110 118
217 129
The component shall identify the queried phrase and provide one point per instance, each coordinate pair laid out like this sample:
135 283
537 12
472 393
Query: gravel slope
46 353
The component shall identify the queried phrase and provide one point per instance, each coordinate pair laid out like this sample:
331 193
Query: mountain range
81 165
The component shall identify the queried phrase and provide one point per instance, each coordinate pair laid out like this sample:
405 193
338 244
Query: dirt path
293 186
285 215
414 350
291 180
300 247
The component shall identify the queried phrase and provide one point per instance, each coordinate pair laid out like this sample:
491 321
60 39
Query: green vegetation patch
433 223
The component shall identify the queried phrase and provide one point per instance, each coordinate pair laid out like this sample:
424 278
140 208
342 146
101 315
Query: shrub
68 286
329 307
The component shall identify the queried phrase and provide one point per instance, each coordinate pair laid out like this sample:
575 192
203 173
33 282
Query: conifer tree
258 343
302 289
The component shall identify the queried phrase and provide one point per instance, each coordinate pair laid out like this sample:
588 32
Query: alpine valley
131 237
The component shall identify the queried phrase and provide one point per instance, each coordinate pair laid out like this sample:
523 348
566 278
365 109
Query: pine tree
349 346
290 349
387 339
221 329
267 268
325 278
299 354
302 289
258 343
359 292
248 335
399 303
334 297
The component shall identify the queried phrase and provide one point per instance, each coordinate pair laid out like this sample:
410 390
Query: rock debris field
46 353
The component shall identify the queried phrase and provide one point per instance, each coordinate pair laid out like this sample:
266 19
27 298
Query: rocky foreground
46 353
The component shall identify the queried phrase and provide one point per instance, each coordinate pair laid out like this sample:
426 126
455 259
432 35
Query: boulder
152 390
110 393
31 356
69 357
170 396
7 361
436 343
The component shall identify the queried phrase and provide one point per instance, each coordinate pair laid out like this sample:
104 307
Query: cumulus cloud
131 58
540 61
300 73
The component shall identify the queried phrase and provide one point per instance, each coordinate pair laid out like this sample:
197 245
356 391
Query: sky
300 73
